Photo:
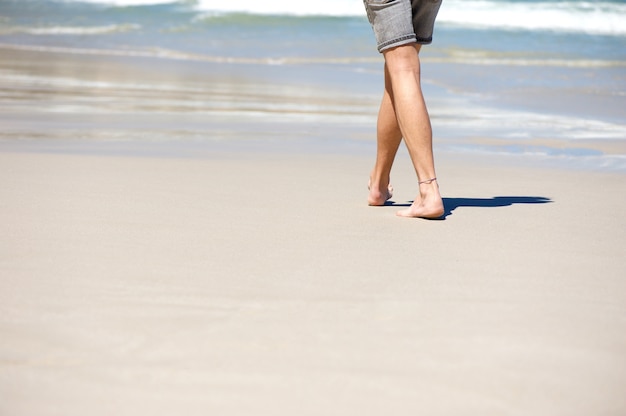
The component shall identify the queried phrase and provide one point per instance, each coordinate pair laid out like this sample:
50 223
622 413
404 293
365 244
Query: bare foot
428 204
378 196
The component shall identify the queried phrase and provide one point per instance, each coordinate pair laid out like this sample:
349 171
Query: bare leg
403 66
388 140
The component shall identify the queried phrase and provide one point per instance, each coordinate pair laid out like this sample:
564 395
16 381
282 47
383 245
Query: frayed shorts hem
405 40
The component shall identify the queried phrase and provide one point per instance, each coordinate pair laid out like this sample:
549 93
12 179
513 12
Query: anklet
427 181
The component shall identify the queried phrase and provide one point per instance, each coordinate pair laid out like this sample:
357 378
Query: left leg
388 139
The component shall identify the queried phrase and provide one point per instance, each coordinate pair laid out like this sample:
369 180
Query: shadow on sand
451 204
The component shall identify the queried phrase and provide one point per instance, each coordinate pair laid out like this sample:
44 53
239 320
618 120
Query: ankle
429 189
427 181
379 182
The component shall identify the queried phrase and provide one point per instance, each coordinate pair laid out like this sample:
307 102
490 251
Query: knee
402 59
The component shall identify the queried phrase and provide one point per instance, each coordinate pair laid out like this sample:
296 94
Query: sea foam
570 16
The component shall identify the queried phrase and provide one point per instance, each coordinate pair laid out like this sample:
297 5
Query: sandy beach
184 234
250 284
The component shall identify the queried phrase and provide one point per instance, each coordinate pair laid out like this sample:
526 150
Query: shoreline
104 100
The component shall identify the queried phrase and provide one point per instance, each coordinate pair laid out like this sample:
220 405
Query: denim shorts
400 22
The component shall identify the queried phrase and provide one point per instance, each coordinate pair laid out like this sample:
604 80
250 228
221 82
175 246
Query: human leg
388 138
403 68
398 25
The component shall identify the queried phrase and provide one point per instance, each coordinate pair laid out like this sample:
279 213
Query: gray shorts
399 22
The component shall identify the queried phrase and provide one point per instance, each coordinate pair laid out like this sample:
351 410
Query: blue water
558 29
509 69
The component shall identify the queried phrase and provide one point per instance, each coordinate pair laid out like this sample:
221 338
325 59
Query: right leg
388 139
412 116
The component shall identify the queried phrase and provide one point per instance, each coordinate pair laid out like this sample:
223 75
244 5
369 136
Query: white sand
258 285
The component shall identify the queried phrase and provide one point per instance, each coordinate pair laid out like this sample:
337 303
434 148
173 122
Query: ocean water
542 78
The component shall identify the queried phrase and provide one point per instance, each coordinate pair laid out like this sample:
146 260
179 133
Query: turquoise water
511 70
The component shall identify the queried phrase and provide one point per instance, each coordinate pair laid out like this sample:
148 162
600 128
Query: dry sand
264 285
